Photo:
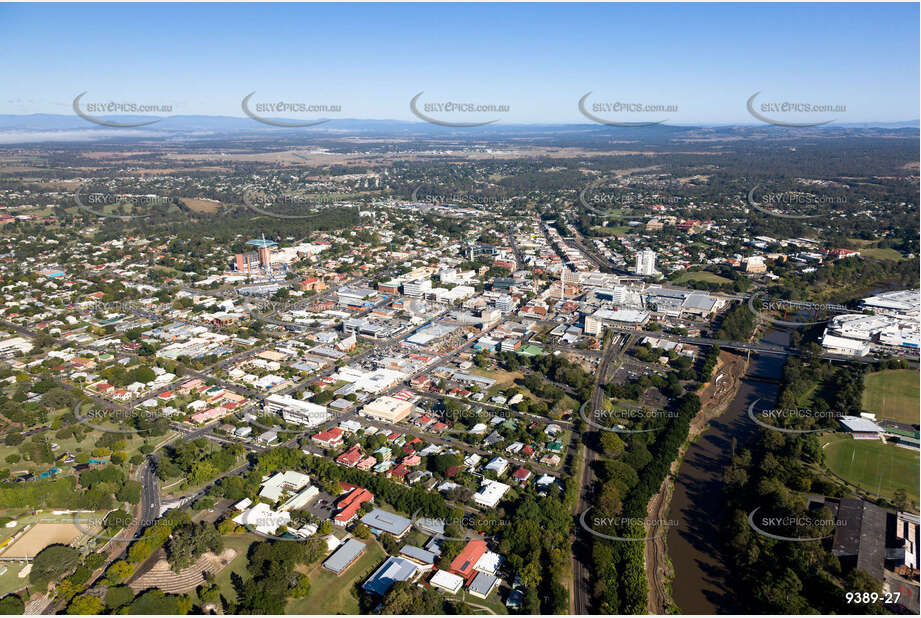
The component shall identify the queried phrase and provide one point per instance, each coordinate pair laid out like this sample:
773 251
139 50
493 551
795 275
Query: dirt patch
714 398
163 577
40 536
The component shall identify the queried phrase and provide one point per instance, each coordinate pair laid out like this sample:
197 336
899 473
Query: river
701 583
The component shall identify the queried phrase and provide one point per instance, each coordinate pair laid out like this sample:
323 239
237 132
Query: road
582 544
150 491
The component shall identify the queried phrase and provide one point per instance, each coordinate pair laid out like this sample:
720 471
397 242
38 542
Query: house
367 463
399 472
498 465
463 564
521 474
490 493
330 438
351 457
350 503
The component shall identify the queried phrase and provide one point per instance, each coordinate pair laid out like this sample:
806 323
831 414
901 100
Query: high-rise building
247 262
646 262
263 250
415 289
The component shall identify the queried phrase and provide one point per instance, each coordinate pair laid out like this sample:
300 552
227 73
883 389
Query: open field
10 581
892 394
40 536
201 205
331 594
881 254
700 275
239 543
873 465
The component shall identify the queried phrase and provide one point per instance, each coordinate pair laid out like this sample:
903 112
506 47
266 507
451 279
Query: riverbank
715 397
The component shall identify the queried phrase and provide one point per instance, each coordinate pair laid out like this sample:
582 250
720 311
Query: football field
892 394
875 466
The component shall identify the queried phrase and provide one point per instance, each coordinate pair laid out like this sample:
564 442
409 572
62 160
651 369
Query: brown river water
701 584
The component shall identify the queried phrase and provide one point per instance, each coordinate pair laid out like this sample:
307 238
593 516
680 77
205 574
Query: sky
704 60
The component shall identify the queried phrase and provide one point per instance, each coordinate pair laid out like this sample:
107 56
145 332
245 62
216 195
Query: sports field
873 465
701 275
39 536
892 394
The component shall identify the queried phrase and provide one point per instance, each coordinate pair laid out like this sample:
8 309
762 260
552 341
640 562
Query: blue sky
538 59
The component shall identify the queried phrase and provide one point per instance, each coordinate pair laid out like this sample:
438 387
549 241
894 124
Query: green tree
86 605
12 605
53 563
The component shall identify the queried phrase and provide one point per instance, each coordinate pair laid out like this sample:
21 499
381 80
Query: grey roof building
345 556
392 571
380 520
418 554
482 585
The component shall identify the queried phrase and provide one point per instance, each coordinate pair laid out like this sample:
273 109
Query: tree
86 605
94 561
119 571
117 596
11 605
301 587
189 542
53 563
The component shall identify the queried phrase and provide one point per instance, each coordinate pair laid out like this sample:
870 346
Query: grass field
892 394
874 466
700 275
331 594
201 205
241 543
882 254
10 581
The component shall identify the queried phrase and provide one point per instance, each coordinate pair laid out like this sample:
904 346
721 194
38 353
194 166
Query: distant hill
69 128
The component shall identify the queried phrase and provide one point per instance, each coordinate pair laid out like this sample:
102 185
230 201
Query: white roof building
490 493
449 582
263 519
846 347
